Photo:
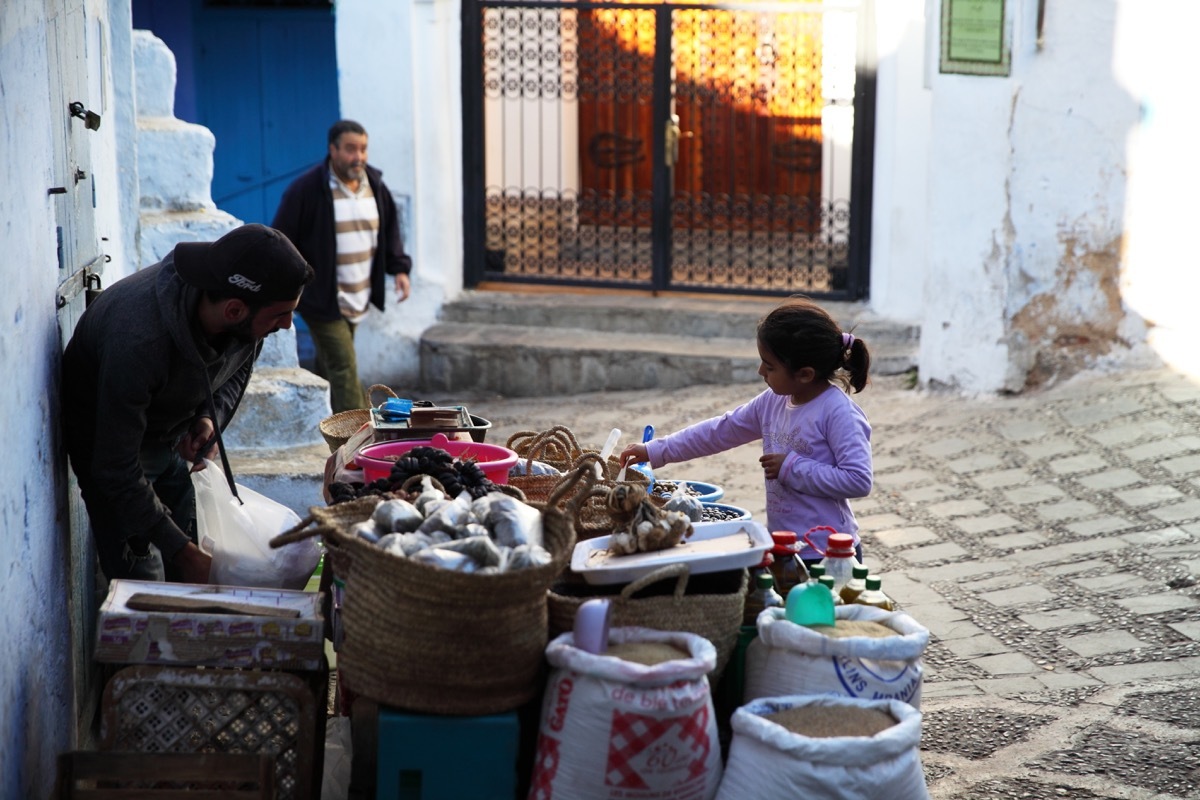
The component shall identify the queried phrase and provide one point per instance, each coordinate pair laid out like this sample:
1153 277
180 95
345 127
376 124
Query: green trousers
337 362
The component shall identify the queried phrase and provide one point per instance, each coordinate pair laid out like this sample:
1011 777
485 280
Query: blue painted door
266 86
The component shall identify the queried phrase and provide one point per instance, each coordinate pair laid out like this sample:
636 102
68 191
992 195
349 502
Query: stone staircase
526 344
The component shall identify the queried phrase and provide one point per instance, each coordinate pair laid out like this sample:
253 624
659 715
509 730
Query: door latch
91 120
671 136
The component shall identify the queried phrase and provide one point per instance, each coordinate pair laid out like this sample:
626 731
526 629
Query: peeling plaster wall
1028 207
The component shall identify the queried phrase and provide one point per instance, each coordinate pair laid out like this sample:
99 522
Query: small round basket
338 428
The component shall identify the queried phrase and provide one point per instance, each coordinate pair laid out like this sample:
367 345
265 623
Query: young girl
816 440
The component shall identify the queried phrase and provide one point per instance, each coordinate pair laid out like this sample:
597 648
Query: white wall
399 75
37 719
1027 189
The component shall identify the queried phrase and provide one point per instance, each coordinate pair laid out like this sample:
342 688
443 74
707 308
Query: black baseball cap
253 263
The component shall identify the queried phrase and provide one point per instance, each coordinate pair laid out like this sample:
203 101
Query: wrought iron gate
669 146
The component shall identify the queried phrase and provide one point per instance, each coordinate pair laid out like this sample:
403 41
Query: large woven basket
338 428
432 640
709 605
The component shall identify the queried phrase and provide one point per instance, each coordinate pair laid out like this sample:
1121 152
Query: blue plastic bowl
707 492
728 509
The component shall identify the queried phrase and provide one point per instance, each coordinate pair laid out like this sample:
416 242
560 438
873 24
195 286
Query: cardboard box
291 639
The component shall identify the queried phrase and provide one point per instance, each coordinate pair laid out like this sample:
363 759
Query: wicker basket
546 447
339 427
436 641
708 605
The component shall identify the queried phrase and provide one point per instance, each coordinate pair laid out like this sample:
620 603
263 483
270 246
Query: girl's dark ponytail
858 364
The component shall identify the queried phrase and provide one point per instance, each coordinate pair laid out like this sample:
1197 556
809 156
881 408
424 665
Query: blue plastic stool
426 757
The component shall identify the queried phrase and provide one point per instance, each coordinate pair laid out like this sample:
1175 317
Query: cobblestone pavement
1050 542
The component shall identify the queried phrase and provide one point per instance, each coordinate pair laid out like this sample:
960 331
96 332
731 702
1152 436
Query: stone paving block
1025 431
1110 479
1001 478
1058 618
1144 671
886 462
988 524
1155 494
1062 679
1163 448
1016 541
1120 582
984 645
1132 433
1085 462
958 508
954 629
1069 550
1018 596
1038 493
930 494
1049 448
1183 394
943 448
974 463
935 616
1010 687
906 591
946 690
1157 603
876 522
905 537
1185 465
1179 512
963 570
1102 410
936 552
1189 629
1099 525
1162 536
1068 509
1101 644
905 477
1076 567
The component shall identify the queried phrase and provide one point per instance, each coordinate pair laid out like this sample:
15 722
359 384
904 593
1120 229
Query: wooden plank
146 601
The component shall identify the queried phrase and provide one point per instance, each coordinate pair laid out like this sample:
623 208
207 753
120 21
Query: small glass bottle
787 568
763 596
873 596
827 582
856 585
815 571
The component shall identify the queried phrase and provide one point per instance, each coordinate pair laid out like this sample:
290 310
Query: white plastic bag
237 536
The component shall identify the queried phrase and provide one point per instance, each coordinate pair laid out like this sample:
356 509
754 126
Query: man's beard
243 331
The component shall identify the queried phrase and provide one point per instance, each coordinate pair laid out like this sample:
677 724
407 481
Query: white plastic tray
712 547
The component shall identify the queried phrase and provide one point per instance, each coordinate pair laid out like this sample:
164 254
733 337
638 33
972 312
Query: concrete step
289 475
524 345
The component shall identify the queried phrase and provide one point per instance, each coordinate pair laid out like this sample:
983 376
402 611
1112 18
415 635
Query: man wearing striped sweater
342 218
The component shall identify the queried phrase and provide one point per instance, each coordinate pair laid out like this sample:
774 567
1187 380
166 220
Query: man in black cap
154 371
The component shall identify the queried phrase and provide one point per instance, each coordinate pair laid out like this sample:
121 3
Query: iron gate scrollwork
653 146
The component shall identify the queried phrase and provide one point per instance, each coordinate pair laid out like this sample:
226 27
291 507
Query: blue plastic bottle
810 604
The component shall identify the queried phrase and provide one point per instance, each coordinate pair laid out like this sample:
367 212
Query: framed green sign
975 38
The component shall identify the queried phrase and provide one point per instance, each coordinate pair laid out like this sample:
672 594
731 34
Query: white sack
787 658
612 728
767 760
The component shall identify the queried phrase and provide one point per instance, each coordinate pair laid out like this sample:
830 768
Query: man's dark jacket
305 216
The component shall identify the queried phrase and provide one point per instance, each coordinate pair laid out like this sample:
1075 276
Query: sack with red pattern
615 728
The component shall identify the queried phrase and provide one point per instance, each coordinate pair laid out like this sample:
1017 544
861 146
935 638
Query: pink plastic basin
377 459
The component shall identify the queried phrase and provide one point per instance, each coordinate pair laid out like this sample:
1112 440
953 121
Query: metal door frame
474 206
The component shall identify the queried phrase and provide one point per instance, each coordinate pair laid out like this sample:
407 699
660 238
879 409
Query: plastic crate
153 709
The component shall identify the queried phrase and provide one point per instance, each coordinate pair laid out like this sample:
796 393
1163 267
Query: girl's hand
771 464
634 454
